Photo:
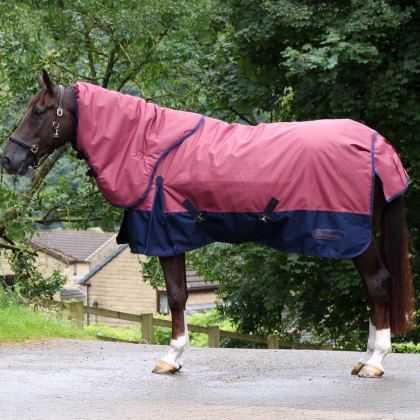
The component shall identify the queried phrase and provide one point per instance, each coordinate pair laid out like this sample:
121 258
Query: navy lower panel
317 233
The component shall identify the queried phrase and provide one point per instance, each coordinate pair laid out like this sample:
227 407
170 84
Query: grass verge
20 323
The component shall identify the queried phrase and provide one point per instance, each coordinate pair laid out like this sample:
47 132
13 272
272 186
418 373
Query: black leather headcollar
34 148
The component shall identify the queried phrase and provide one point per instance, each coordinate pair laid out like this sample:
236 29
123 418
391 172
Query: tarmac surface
72 379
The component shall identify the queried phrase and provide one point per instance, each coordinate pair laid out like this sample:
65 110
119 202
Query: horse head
49 122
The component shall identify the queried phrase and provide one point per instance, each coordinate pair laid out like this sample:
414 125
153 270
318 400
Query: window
162 303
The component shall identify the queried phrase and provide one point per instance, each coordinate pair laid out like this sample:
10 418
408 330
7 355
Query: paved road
69 379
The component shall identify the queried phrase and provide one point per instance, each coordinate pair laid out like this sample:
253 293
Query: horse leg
370 349
377 281
176 287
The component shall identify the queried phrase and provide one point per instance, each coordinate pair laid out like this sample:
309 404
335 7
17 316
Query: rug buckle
264 218
199 218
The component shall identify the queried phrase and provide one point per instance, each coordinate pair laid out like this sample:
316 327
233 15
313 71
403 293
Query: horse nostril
7 164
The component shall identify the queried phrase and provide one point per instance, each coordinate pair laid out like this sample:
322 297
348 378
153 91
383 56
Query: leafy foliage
29 282
406 348
264 292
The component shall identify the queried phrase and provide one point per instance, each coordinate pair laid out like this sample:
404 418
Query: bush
406 348
38 286
29 282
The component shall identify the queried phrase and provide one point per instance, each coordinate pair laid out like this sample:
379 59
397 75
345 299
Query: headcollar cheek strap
55 126
60 100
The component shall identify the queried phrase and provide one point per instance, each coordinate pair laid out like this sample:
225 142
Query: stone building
106 275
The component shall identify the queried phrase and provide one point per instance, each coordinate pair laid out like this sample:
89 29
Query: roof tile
77 245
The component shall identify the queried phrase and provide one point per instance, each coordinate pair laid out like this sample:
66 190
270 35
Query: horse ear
45 81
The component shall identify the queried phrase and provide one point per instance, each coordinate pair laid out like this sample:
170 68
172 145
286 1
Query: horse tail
395 254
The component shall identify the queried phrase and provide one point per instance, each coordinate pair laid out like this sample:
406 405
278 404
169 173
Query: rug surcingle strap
193 210
269 209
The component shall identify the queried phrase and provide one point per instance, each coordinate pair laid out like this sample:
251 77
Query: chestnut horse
51 120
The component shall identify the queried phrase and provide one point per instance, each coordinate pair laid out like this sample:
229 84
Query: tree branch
91 60
110 67
252 118
136 69
44 170
45 216
15 249
70 71
241 116
60 220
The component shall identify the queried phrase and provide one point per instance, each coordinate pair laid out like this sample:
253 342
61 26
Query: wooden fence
147 322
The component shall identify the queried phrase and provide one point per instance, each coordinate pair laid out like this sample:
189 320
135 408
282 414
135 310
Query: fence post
76 313
214 336
272 341
147 328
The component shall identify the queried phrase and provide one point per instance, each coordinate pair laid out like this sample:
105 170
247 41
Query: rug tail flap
389 168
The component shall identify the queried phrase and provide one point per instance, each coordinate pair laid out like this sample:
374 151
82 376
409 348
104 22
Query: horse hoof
359 366
163 367
369 371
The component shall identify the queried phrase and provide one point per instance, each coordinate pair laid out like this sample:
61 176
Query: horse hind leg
377 281
176 287
369 352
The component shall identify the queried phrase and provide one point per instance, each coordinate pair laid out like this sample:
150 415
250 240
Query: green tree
277 60
240 60
142 48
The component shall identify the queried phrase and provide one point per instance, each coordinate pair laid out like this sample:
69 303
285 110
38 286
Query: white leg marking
371 344
381 349
178 346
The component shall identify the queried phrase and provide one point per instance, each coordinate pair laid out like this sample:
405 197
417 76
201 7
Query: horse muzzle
16 166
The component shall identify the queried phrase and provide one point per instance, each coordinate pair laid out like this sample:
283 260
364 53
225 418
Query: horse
167 144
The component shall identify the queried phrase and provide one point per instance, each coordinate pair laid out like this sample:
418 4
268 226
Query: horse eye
37 111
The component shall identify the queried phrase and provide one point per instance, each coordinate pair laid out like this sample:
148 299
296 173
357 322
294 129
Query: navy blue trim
395 195
158 222
398 194
372 189
152 176
374 173
290 231
76 111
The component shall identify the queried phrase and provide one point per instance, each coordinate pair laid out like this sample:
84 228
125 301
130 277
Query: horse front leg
378 285
176 287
